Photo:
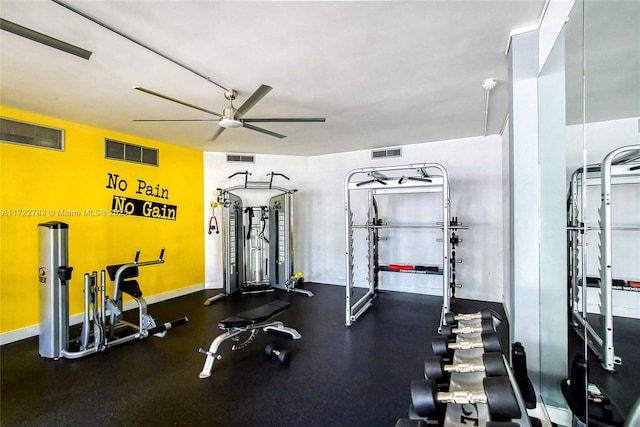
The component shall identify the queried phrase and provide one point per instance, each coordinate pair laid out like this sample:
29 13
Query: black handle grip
64 274
246 173
168 325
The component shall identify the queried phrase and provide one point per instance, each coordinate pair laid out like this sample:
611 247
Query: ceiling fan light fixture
229 123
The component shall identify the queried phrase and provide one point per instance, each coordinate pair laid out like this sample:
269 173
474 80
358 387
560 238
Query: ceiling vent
241 158
116 150
391 152
30 134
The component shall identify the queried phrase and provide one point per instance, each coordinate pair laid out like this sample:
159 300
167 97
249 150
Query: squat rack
620 166
414 178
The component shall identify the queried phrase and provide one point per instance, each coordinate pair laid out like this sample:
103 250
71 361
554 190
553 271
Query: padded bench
131 287
252 321
255 315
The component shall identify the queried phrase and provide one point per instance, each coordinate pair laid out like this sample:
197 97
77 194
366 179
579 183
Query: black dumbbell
501 424
404 422
450 331
284 356
492 365
442 347
450 318
497 394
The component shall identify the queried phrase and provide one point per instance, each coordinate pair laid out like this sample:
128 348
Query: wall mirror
599 54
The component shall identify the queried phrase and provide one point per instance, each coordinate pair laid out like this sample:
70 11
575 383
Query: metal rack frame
414 179
620 166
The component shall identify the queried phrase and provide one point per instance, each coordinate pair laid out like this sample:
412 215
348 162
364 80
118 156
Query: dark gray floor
622 386
357 376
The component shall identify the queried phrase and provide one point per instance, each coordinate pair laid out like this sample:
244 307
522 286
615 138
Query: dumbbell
442 347
501 424
492 365
450 318
284 356
497 394
450 331
405 422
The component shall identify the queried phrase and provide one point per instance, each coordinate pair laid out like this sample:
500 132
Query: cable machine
621 167
257 241
412 179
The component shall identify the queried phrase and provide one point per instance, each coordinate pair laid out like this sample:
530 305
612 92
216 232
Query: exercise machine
103 325
257 241
251 321
419 179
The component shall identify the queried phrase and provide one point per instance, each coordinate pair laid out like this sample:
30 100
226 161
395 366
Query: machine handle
135 261
246 173
161 253
274 174
279 174
167 326
64 274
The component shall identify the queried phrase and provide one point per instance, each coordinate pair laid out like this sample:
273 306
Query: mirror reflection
603 201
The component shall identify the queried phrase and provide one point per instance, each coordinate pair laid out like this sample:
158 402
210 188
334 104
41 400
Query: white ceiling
382 73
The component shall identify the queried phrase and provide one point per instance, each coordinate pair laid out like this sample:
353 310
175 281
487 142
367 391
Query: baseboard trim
34 330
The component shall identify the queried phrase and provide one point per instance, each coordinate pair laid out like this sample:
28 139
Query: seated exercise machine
257 242
102 324
251 321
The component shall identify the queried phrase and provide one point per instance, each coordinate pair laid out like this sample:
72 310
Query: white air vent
30 134
391 152
117 150
241 158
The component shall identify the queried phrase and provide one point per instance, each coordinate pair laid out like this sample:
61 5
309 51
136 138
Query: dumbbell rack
412 179
462 381
466 385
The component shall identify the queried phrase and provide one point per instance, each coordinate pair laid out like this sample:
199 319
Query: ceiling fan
231 116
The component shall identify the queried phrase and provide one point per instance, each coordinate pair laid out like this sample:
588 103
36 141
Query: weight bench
248 321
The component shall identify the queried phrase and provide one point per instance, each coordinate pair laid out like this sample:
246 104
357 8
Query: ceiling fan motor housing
228 119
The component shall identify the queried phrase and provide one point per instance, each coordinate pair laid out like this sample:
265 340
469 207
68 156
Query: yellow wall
39 185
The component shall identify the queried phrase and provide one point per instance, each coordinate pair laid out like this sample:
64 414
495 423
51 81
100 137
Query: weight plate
424 395
403 422
284 357
268 350
440 347
501 398
433 368
494 364
485 314
447 332
449 318
491 342
487 325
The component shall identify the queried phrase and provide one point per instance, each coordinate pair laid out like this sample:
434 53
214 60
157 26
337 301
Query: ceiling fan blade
287 120
177 101
253 100
268 132
46 40
217 134
175 120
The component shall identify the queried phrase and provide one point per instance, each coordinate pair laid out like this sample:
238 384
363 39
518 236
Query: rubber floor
338 376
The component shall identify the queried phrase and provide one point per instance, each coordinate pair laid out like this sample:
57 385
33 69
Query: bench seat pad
255 315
